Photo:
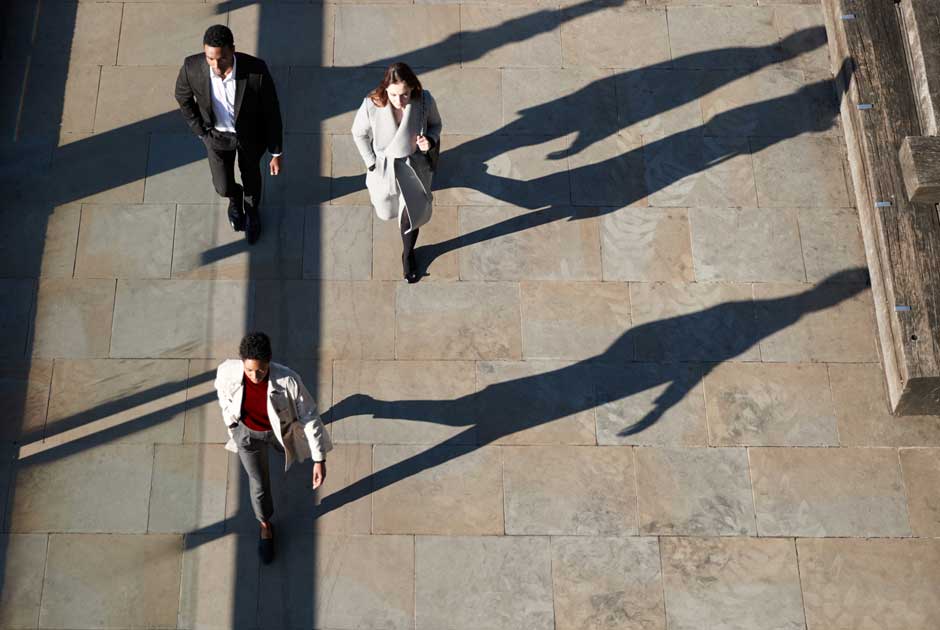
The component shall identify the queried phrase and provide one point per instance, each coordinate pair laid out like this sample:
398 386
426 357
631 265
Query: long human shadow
611 184
643 358
596 111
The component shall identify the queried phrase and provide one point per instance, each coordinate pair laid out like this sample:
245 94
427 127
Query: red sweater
255 405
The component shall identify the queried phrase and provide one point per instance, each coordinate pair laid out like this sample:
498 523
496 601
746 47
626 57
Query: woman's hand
423 143
319 474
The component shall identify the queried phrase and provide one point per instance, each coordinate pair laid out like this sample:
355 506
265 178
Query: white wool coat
402 177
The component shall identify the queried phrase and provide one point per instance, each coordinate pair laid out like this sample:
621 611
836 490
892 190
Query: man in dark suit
228 100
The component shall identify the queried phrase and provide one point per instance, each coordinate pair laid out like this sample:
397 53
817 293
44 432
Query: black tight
408 241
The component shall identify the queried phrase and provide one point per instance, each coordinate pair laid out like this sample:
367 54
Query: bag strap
424 116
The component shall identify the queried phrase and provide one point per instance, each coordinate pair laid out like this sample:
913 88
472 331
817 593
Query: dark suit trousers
222 167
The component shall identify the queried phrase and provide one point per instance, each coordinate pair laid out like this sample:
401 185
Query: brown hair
398 72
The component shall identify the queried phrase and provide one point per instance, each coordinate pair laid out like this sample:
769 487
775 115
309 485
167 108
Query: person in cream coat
266 403
398 133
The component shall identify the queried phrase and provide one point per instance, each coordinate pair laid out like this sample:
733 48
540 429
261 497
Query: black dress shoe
236 215
266 546
252 226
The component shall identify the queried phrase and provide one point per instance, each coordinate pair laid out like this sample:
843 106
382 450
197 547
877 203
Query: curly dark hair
218 36
255 345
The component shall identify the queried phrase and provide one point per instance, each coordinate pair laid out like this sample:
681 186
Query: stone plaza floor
638 388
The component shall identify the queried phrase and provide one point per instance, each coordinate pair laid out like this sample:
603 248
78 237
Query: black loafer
236 216
266 547
252 227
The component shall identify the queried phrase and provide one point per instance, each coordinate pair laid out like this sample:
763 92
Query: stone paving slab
469 99
343 320
348 464
305 179
504 170
73 318
517 570
77 593
542 245
609 173
348 182
576 490
357 582
76 172
450 490
552 330
122 241
178 170
787 172
91 28
694 322
607 583
646 245
15 319
338 243
728 583
746 245
843 332
920 468
26 166
687 169
769 102
156 34
694 491
759 404
633 407
533 402
206 247
58 99
202 418
24 392
832 241
466 320
96 398
45 237
184 318
793 23
23 567
849 583
596 40
283 33
365 395
738 37
540 50
188 488
132 98
818 492
97 489
542 101
324 100
434 247
218 582
861 405
409 32
655 102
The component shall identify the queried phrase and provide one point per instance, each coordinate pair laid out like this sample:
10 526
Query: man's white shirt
223 99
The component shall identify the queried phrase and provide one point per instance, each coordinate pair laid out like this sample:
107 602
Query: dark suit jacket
257 111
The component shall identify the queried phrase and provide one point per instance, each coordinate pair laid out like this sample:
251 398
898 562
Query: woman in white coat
398 133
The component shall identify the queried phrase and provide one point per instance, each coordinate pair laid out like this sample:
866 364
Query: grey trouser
253 451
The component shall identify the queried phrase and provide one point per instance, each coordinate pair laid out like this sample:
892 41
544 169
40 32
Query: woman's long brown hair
398 72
